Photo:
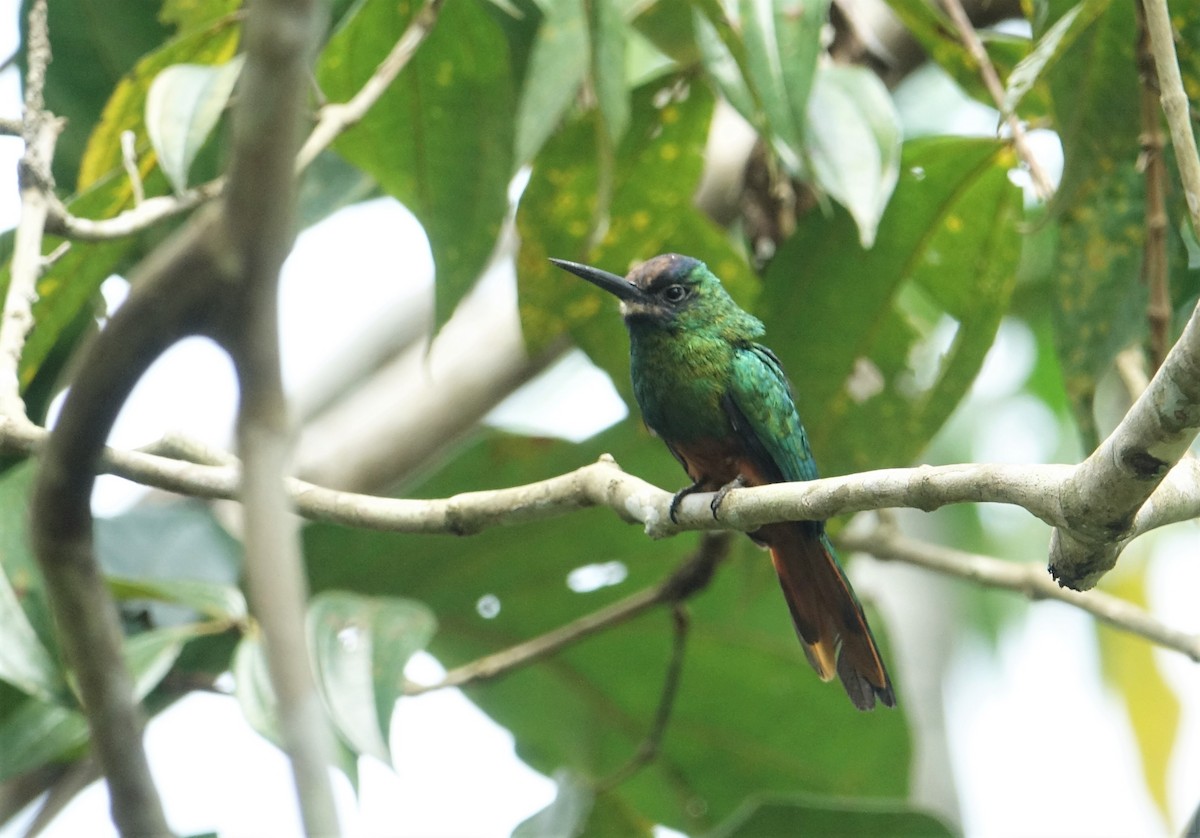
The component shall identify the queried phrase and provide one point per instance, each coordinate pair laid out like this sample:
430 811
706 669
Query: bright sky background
1039 744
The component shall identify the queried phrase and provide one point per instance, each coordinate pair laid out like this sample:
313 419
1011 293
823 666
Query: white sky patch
1008 363
1019 430
573 400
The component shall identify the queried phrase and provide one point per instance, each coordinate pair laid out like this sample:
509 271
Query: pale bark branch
337 117
1101 502
1027 579
1035 488
40 130
130 222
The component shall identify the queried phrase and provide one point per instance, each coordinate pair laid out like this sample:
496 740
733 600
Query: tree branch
143 216
1175 103
336 118
991 80
259 216
886 542
1100 502
689 579
1152 162
40 130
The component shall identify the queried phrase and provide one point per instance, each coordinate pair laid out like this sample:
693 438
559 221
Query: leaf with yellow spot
651 212
440 139
216 43
1129 667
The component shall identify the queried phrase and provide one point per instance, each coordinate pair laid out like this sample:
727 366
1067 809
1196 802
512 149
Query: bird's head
670 292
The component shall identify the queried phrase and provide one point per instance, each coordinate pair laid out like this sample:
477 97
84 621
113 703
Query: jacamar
725 409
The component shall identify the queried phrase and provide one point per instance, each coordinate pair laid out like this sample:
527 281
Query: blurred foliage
882 299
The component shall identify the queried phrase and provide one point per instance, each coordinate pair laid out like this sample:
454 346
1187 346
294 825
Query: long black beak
618 286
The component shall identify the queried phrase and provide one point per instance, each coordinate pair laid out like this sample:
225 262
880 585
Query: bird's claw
738 482
678 499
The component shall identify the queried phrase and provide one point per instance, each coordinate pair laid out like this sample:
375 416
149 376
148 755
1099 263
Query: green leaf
588 708
217 602
34 733
1095 78
1049 49
608 36
853 140
252 686
183 105
215 43
360 646
328 185
24 661
724 57
796 815
151 654
440 139
558 64
17 562
194 14
578 810
1131 670
1098 303
782 40
882 344
176 555
658 165
92 48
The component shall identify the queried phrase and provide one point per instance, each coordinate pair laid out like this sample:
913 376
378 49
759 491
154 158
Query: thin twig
336 118
688 580
647 752
129 161
143 216
991 80
886 542
40 131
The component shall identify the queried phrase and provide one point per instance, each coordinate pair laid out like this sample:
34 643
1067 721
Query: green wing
763 414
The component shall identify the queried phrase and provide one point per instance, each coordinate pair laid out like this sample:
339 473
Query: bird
727 412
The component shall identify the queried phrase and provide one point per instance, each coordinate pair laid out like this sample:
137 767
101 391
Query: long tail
828 617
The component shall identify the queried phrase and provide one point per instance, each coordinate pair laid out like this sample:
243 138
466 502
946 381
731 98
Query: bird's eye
674 293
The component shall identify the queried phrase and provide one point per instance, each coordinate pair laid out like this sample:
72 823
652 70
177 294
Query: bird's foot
738 482
678 499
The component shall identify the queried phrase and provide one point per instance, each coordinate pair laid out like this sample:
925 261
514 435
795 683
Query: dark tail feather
829 620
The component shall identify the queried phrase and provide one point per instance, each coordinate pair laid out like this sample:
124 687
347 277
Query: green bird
723 406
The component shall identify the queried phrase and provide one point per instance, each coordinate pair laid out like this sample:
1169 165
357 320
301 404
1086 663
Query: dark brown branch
61 519
1153 165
